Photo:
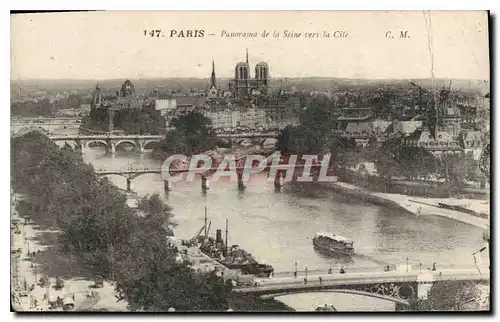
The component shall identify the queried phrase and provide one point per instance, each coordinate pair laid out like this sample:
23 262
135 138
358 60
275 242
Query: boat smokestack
205 222
218 236
226 235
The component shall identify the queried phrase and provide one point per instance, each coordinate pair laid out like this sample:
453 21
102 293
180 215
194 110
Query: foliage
393 158
343 152
33 108
459 168
193 134
447 296
484 163
316 124
157 213
150 280
45 107
97 226
140 121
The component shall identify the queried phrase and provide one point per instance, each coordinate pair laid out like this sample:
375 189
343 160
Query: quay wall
368 197
407 204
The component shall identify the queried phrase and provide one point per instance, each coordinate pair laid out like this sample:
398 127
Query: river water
277 228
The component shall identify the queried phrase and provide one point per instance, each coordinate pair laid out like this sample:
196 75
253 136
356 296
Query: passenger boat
333 244
326 308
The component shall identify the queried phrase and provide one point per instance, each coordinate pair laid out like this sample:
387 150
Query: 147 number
153 33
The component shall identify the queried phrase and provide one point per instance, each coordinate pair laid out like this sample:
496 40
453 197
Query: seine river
277 228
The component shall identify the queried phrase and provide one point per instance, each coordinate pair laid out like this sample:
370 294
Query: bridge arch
91 143
388 293
149 144
345 291
136 175
107 175
135 144
240 141
71 143
268 141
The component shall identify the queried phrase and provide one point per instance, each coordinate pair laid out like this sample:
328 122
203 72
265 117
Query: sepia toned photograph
250 161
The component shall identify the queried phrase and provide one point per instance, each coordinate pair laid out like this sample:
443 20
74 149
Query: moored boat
232 257
333 244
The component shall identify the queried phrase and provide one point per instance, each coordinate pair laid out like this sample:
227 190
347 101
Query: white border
188 5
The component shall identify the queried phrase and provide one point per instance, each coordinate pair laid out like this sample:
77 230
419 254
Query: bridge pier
205 183
425 281
129 183
278 182
166 186
241 185
140 147
80 147
110 149
111 123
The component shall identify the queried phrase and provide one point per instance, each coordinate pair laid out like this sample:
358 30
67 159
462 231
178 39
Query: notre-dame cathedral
243 85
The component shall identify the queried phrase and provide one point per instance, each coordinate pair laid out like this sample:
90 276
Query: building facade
251 117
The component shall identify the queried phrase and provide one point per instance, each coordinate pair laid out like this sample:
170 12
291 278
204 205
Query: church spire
247 55
212 80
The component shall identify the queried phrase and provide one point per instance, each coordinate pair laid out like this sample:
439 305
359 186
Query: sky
110 45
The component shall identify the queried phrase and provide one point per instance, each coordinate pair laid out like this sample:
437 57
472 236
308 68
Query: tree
447 296
342 152
316 125
290 140
394 158
193 134
157 214
386 165
454 168
140 121
416 162
149 277
107 236
156 283
484 162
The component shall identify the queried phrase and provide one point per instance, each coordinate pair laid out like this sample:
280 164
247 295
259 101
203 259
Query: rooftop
334 237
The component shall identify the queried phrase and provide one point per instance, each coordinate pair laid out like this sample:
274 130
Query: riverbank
420 206
37 255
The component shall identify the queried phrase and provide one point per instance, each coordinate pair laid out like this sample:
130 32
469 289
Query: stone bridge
206 173
141 143
109 142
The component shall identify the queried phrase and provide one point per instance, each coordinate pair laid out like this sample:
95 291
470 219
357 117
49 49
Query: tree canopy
192 134
316 125
140 121
119 243
449 296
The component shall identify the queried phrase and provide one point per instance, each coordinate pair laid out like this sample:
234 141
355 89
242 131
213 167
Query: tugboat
232 257
333 244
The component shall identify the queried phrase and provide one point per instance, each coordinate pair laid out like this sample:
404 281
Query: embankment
410 205
359 193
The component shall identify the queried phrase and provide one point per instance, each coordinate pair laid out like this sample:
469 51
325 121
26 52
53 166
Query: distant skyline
111 45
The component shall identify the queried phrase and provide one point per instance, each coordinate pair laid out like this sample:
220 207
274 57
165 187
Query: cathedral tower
212 79
97 99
